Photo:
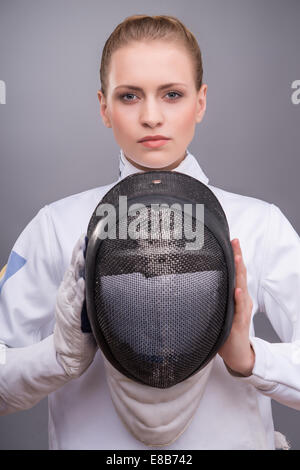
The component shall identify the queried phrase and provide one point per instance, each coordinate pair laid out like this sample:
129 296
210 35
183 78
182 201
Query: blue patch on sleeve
15 262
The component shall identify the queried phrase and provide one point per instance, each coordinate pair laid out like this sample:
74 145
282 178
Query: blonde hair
144 27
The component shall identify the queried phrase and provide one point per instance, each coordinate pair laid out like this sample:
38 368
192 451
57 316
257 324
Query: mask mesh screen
159 306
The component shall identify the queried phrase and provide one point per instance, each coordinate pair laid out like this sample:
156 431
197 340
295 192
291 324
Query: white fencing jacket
234 412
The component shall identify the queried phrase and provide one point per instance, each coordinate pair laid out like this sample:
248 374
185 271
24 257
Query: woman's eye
127 94
174 93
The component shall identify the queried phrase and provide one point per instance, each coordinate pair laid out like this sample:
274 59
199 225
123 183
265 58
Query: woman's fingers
240 268
240 274
240 305
241 294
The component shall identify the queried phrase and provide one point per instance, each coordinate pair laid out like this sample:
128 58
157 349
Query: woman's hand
75 349
237 352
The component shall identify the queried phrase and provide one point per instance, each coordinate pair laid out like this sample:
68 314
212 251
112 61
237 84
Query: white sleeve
29 369
276 371
29 374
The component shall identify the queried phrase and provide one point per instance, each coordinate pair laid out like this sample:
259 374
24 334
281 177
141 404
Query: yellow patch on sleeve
2 272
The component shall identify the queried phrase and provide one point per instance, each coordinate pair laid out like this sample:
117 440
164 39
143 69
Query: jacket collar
188 166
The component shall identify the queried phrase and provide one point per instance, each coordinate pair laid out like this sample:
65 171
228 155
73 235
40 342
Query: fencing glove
75 349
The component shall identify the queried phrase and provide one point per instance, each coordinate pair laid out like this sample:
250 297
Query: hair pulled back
138 28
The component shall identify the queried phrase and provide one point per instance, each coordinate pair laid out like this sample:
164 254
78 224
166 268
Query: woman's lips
154 143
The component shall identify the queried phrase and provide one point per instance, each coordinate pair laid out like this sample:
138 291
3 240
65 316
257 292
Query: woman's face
149 110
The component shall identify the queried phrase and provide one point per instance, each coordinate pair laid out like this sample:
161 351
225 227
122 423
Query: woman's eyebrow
161 87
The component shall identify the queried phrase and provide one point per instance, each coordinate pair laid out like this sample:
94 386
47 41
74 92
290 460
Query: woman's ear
103 109
201 103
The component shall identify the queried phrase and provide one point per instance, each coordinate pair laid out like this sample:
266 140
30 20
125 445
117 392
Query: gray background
53 142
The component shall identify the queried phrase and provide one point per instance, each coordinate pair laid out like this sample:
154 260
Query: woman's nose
151 113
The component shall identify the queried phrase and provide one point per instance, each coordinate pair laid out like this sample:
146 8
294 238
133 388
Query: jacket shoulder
237 201
84 200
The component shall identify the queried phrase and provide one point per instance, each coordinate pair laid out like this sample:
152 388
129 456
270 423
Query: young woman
151 85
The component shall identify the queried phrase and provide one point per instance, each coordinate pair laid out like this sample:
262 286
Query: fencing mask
159 295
